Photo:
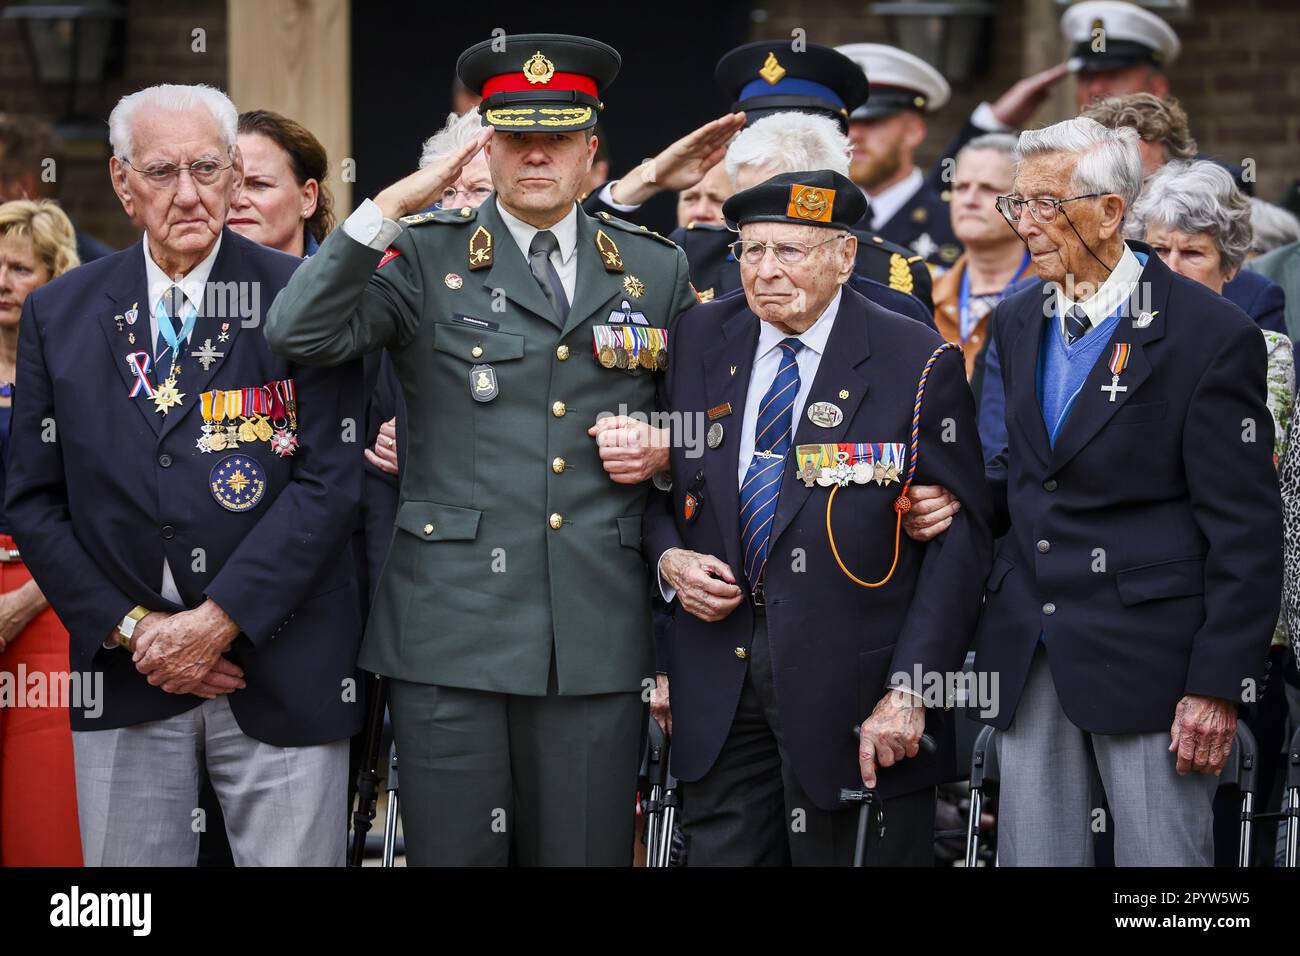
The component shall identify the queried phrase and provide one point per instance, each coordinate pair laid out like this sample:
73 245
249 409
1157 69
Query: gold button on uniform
428 529
556 521
476 351
558 409
557 466
742 653
562 352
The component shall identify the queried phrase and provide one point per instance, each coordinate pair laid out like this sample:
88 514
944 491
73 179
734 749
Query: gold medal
166 396
607 359
263 428
647 359
217 440
247 432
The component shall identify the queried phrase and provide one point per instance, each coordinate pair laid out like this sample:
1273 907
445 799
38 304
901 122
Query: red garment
38 790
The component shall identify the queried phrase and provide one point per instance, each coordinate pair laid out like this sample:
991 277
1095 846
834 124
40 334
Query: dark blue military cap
770 77
818 197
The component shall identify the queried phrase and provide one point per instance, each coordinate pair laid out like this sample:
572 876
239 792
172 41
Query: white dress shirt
885 204
1119 285
767 361
192 284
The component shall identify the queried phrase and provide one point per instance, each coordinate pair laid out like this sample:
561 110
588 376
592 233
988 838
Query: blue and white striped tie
772 435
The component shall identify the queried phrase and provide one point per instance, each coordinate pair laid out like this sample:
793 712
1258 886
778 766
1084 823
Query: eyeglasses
205 172
471 196
751 251
1043 210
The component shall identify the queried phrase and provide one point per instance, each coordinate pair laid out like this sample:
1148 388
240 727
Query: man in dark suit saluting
187 519
799 621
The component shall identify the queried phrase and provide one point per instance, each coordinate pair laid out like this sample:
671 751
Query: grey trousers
138 793
487 778
749 809
1054 776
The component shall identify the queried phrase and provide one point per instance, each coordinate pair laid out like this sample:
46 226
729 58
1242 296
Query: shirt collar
888 201
565 231
192 284
1114 291
813 338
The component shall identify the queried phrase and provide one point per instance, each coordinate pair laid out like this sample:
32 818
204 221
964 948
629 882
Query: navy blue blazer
1146 546
1260 298
835 645
96 510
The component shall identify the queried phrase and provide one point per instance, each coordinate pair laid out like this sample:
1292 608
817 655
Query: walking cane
391 810
866 798
368 772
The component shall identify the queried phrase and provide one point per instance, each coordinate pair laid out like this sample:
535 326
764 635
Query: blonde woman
38 794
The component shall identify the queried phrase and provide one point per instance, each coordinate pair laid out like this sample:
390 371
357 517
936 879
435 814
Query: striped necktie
772 434
1076 324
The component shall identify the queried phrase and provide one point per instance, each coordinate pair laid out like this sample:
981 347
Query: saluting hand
681 165
424 187
1016 106
705 586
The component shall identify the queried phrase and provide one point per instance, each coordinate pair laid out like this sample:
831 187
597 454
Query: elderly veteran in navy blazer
1132 602
787 639
184 498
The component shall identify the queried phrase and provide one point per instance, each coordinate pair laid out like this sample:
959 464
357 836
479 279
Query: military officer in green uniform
512 617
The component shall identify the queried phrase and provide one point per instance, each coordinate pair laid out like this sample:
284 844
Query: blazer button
165 460
1049 484
558 409
1044 546
428 528
168 532
557 521
1049 608
742 653
562 352
476 351
557 466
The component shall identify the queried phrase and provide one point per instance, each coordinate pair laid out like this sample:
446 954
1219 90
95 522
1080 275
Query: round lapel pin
714 437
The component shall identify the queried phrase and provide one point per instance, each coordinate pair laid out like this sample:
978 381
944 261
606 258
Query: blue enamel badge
238 482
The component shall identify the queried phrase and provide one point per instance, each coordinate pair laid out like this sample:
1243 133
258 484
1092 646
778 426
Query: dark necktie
772 432
539 263
1076 324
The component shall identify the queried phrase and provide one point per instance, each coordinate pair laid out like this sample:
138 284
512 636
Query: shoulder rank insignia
609 254
480 249
705 295
900 273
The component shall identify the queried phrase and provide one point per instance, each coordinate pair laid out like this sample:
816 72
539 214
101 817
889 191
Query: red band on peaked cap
516 82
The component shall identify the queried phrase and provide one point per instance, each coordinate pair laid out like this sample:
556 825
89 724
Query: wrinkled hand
891 734
705 586
632 451
659 706
1017 105
179 652
1202 733
17 608
681 165
932 509
384 455
424 187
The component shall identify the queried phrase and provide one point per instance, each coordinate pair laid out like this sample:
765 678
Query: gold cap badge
811 203
772 71
538 69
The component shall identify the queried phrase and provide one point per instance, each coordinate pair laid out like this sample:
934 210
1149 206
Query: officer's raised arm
339 305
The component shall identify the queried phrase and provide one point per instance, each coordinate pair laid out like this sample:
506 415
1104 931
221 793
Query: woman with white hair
474 185
1194 217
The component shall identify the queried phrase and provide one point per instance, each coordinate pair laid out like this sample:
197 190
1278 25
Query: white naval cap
1110 35
899 81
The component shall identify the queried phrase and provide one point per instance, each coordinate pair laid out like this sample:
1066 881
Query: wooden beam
294 57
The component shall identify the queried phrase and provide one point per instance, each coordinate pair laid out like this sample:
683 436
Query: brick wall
158 50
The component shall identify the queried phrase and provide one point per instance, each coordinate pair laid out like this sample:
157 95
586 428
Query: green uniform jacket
479 586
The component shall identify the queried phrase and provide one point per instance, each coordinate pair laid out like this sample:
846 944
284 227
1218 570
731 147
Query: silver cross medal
207 355
1114 387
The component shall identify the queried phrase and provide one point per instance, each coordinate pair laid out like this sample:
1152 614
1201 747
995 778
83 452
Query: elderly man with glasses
1131 603
801 625
183 498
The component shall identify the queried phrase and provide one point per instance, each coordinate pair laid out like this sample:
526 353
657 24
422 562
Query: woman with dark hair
284 203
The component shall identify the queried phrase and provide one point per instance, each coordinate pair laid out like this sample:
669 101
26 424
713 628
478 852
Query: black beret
539 81
770 77
818 197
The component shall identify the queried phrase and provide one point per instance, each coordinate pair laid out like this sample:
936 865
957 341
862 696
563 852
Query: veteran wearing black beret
798 621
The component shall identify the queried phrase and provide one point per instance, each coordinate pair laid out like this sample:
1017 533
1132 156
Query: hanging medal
261 408
167 395
283 441
205 431
217 438
234 411
1119 356
247 431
